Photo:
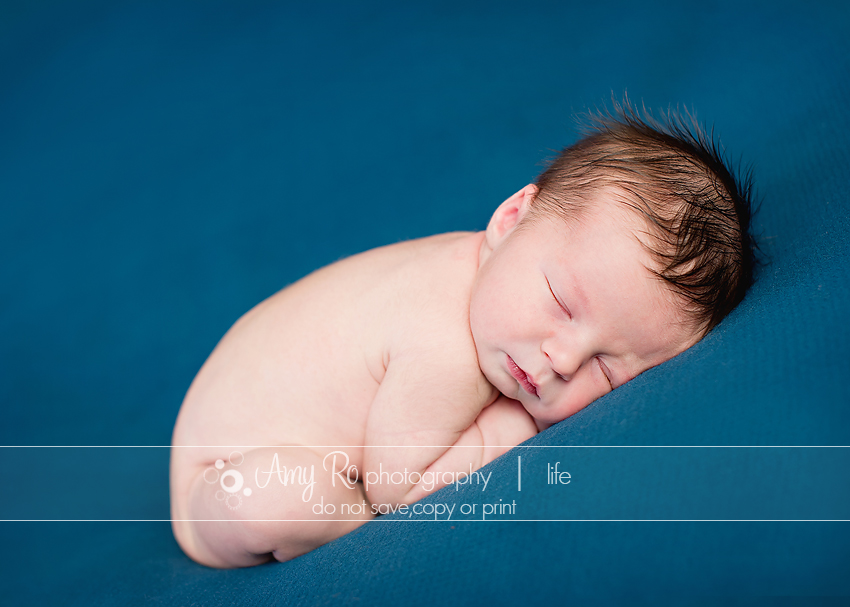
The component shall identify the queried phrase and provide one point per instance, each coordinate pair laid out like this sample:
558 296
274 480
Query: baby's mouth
522 377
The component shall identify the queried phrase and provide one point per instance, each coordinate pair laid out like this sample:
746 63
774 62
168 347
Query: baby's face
562 315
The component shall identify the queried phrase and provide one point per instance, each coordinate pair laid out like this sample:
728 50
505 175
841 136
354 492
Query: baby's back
303 367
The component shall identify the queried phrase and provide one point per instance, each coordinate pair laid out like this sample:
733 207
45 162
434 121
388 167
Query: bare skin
408 345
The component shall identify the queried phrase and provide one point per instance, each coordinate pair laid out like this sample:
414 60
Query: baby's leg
271 520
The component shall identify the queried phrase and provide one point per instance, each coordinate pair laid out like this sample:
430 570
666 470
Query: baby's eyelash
602 368
563 307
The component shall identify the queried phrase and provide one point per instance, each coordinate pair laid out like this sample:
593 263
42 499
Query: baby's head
627 250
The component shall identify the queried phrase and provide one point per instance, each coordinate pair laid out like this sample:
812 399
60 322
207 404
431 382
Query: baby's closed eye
558 300
605 371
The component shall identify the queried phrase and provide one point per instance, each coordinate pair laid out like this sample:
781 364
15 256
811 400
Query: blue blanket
166 166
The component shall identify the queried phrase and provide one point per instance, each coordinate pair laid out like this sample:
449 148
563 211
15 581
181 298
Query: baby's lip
522 377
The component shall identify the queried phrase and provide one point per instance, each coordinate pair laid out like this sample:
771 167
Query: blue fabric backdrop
165 166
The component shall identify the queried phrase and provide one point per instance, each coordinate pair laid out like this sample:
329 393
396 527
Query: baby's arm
433 418
500 427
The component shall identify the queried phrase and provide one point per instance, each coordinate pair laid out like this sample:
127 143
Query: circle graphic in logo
237 481
231 481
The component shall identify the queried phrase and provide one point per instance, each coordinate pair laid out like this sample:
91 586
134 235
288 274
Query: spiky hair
677 177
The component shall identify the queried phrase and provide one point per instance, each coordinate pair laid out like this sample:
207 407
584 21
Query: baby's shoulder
443 255
433 306
432 286
408 266
408 298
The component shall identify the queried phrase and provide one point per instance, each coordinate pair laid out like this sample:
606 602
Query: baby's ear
509 214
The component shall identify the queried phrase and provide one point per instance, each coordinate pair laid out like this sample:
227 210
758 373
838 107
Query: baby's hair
675 176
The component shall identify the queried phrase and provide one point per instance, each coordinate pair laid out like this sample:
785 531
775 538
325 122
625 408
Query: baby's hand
504 425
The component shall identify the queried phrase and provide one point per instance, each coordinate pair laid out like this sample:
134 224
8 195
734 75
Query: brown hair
675 175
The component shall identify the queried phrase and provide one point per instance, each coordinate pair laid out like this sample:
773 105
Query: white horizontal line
425 446
387 520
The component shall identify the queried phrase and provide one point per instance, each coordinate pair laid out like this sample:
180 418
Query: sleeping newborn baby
440 354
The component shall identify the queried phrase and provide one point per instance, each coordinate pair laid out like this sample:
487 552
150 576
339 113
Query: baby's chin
541 424
497 382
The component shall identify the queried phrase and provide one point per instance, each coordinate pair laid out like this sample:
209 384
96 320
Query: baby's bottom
271 518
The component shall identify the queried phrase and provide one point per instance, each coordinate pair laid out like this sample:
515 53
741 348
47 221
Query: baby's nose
565 361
